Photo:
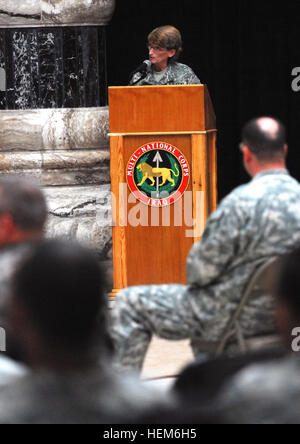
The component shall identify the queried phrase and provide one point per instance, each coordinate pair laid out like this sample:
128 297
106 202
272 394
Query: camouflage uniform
175 74
263 394
91 396
255 222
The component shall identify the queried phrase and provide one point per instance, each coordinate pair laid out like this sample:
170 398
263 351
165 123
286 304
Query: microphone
143 68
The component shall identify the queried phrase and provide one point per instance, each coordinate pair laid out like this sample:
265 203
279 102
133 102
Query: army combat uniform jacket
256 222
174 74
263 394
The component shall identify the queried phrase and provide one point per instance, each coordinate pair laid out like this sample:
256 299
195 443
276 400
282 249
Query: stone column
54 114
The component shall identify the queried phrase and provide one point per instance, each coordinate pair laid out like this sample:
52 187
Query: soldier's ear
285 150
171 53
248 155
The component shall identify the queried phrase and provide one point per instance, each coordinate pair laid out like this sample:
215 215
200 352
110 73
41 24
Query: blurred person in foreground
270 393
23 215
57 314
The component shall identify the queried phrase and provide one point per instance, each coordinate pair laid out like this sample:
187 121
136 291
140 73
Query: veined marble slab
77 11
64 177
57 67
54 160
54 129
14 13
66 151
83 213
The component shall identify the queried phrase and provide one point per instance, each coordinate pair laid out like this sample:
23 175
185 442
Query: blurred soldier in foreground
57 314
270 393
23 214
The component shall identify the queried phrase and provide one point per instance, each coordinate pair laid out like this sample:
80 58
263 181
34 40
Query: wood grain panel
157 109
157 254
200 182
213 172
119 217
210 117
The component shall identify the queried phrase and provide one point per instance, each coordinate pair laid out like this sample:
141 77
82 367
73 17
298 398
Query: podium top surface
155 109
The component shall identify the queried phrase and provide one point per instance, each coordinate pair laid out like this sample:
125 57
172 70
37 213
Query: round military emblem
158 174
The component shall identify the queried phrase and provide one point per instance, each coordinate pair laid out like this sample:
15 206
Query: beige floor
166 358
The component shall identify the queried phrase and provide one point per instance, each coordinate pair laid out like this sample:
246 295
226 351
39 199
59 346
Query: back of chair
262 278
260 282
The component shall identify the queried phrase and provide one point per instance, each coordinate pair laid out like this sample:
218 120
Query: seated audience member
256 222
200 382
23 214
56 312
179 414
270 393
198 386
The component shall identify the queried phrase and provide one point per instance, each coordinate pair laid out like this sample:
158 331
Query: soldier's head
58 306
263 145
23 210
164 41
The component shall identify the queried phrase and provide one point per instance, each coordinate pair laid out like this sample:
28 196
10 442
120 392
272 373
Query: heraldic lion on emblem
149 173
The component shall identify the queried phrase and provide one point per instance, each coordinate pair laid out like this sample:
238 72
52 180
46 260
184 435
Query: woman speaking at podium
162 68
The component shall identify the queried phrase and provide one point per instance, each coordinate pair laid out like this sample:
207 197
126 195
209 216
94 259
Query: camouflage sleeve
134 78
193 79
209 258
186 76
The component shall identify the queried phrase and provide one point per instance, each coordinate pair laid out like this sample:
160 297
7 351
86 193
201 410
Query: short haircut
60 284
167 37
287 283
23 199
266 145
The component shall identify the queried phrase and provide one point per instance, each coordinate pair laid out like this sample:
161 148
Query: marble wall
53 67
54 129
66 151
52 12
83 213
53 112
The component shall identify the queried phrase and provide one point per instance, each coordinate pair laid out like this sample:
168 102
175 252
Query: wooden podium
181 121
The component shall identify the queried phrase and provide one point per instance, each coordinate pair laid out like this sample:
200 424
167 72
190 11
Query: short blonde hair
166 37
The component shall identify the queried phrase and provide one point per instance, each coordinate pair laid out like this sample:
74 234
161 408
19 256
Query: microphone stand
141 78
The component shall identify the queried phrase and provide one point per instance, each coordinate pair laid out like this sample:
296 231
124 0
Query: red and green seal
158 174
